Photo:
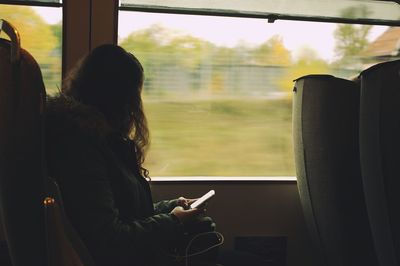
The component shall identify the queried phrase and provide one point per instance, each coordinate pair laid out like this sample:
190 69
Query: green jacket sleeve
80 169
165 206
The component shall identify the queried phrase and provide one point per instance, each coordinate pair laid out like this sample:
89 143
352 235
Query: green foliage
272 52
171 57
40 39
36 35
226 55
308 63
242 137
160 48
166 47
57 32
189 51
351 39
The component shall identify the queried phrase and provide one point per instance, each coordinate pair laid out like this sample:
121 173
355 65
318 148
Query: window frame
270 17
31 3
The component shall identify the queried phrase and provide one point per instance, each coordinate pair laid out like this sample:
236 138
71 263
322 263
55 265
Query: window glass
40 30
217 90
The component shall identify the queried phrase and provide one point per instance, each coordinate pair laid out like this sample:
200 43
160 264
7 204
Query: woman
97 136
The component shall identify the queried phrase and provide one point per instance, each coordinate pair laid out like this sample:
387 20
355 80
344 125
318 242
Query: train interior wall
251 209
268 209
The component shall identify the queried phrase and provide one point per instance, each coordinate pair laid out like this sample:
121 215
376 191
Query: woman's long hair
111 80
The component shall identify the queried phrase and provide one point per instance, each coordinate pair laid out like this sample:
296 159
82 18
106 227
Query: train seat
36 230
325 131
379 156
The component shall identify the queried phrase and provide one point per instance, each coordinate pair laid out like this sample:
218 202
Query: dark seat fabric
325 130
65 245
5 259
380 156
21 171
36 233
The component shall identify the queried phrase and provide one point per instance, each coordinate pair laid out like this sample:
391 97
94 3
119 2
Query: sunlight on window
40 30
218 90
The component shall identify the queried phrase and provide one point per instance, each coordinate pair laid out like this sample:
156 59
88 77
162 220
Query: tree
272 52
57 32
52 74
190 51
351 39
37 37
307 63
146 45
166 46
159 48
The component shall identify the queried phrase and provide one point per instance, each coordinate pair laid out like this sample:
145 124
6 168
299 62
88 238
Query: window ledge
221 178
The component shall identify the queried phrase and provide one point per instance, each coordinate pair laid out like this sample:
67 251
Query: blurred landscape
237 137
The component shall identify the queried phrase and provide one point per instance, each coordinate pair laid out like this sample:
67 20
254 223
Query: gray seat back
380 156
325 130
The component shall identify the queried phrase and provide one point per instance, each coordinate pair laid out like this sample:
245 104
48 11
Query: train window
218 88
40 28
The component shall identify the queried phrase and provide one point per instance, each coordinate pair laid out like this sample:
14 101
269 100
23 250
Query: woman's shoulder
75 135
66 117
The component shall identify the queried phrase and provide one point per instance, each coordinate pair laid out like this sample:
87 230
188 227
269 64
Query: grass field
230 137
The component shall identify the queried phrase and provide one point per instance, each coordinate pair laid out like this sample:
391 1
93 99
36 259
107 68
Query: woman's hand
185 203
186 215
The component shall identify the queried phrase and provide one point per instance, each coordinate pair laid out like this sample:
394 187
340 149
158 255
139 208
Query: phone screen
203 199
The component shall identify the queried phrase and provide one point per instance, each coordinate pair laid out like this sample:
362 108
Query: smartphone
203 199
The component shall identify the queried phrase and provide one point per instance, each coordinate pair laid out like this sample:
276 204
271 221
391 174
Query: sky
226 31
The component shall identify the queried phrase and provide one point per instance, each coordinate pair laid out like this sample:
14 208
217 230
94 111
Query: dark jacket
105 197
